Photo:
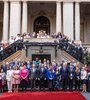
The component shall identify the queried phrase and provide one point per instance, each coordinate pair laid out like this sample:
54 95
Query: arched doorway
42 23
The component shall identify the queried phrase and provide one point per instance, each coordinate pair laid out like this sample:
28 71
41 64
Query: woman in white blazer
9 77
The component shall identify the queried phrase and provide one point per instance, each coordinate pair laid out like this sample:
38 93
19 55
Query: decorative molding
52 0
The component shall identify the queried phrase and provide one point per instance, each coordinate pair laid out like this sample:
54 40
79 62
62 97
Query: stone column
24 18
77 21
15 18
5 22
58 17
68 19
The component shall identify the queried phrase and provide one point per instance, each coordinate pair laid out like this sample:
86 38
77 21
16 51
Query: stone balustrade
40 39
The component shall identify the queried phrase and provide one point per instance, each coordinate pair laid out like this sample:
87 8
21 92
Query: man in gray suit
32 77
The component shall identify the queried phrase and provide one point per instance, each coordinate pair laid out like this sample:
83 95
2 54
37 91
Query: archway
42 23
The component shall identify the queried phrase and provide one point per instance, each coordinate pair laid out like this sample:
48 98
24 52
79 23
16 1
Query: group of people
37 75
63 40
77 45
42 34
45 75
74 49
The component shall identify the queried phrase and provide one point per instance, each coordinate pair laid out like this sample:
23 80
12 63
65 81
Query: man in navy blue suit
64 76
71 76
43 73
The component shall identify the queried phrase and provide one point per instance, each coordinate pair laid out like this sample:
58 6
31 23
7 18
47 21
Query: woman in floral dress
16 78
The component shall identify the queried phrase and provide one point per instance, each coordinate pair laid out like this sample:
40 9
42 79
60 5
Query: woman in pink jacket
24 77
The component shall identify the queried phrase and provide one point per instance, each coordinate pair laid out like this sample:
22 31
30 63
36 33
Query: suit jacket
71 73
43 73
64 73
50 74
32 73
37 73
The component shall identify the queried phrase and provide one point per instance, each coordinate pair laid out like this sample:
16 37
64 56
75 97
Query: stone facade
71 17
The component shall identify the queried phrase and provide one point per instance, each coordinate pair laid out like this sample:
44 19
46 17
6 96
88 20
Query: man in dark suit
37 77
32 77
42 77
64 76
71 75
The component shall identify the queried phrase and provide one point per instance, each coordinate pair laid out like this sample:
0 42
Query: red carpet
42 96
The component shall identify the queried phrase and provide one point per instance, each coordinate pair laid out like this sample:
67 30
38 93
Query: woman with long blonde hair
83 78
77 79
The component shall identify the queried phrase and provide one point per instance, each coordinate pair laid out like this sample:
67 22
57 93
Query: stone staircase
21 55
62 55
13 57
19 52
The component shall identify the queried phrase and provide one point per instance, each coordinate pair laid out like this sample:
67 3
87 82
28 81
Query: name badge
71 76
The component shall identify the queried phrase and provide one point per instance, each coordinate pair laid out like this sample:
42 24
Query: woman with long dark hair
16 78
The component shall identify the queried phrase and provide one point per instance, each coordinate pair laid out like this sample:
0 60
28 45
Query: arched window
42 23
